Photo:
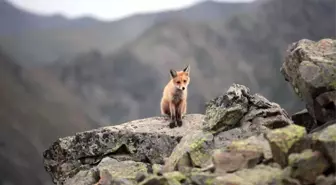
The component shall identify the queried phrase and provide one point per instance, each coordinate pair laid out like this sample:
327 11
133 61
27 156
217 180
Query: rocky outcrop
140 145
243 139
310 67
146 140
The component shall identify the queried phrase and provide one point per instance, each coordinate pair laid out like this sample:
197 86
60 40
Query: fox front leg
179 115
172 115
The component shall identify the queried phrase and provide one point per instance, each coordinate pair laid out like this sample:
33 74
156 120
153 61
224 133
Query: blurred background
70 66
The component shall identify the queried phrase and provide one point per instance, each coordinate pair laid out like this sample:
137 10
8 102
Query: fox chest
177 97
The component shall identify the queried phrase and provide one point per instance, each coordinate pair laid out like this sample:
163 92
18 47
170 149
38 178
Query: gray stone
237 114
146 140
224 112
194 150
307 165
310 67
325 142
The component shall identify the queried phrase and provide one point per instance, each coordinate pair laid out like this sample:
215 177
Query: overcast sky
103 9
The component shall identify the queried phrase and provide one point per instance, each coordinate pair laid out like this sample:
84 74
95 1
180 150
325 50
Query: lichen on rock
261 174
307 165
325 142
224 112
194 150
147 140
282 140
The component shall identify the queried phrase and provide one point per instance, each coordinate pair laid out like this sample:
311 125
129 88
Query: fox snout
181 87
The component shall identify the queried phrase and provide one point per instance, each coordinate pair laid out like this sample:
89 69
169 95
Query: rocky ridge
242 139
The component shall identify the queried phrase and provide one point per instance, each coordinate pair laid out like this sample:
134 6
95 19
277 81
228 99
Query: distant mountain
34 111
248 48
67 41
18 21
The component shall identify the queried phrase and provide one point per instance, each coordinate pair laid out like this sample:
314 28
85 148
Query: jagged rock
145 140
310 67
261 174
325 142
231 161
323 180
307 165
282 140
194 150
224 112
303 118
237 115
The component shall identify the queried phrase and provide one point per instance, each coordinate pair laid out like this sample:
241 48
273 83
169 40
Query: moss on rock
194 149
122 169
174 178
307 165
283 139
325 142
261 174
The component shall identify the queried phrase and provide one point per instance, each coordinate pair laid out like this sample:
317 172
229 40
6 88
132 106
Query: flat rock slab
147 140
159 125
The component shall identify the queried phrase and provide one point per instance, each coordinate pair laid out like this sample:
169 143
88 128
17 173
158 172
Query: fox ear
187 69
173 73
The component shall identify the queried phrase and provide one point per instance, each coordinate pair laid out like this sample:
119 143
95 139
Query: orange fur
174 97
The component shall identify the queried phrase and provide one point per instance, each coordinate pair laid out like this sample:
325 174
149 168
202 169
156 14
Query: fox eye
185 81
178 82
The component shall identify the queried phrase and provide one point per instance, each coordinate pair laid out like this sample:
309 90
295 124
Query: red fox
174 97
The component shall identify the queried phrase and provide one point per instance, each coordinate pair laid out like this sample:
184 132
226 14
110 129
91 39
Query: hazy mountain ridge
18 21
220 53
50 45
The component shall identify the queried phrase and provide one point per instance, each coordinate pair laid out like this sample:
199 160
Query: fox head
181 79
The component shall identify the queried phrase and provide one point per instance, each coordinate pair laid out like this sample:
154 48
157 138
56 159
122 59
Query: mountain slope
246 49
50 45
20 21
32 115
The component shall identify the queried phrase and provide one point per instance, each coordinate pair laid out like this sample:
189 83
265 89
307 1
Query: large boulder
238 114
147 140
310 67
